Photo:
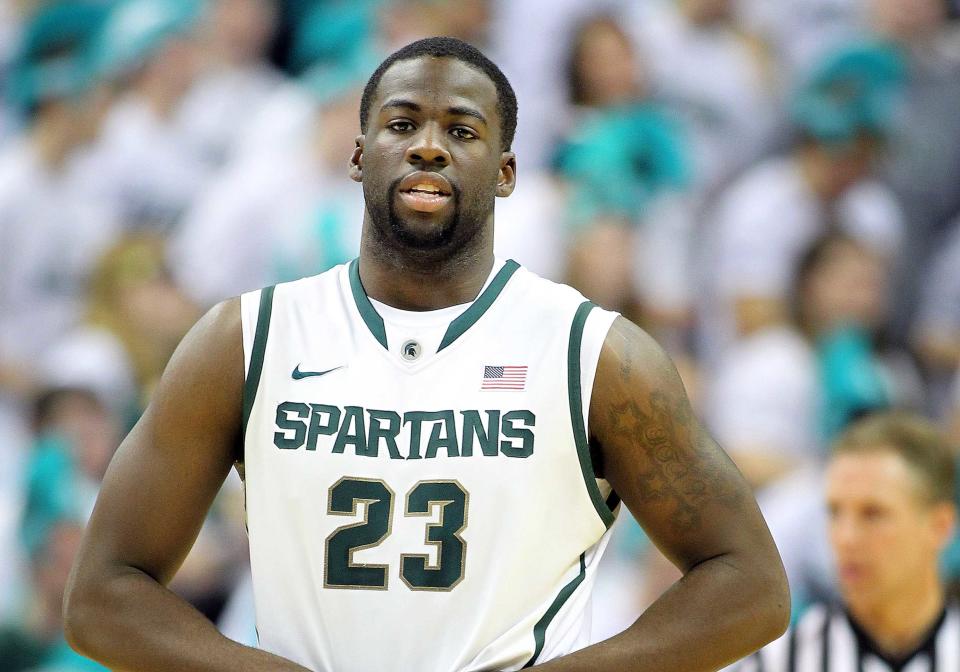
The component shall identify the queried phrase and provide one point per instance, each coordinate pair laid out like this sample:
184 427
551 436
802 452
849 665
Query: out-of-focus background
770 188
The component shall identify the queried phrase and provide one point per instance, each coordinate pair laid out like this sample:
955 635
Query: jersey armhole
582 356
249 312
256 327
595 331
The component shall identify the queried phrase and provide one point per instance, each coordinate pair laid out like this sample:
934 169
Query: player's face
886 538
431 162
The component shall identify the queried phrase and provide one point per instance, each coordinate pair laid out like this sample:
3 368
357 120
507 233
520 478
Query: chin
860 596
419 239
425 234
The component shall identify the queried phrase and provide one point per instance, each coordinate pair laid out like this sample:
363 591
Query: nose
427 148
844 532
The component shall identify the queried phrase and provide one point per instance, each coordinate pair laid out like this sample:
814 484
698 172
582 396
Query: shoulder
526 280
764 186
222 316
769 192
218 331
872 197
870 212
213 344
314 300
635 377
304 289
560 309
636 354
776 359
530 287
203 382
776 353
17 171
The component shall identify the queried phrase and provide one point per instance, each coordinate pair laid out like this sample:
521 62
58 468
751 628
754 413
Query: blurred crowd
772 189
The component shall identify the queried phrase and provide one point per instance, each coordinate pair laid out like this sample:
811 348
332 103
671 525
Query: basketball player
890 490
433 440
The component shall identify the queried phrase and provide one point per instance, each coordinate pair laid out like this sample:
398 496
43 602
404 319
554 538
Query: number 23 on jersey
416 571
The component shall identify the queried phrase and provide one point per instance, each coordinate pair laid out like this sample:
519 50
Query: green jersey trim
613 501
540 629
252 382
455 329
576 412
480 305
369 314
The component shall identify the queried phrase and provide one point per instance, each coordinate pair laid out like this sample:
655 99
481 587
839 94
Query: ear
944 520
356 161
507 177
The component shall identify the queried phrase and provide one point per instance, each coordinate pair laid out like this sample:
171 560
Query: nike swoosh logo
300 375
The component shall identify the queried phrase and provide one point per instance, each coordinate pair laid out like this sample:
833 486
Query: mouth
425 192
851 572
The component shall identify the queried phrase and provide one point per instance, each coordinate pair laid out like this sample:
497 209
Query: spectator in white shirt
704 66
235 77
763 222
622 160
144 162
286 216
50 231
801 32
769 396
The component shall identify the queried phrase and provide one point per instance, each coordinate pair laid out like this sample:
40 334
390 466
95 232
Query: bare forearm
716 614
131 623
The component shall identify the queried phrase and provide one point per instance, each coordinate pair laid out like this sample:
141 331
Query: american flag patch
504 378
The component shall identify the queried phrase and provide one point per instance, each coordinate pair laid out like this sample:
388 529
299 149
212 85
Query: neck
816 174
700 18
53 140
160 98
899 626
415 281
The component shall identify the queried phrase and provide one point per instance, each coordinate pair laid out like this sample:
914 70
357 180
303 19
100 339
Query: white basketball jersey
412 508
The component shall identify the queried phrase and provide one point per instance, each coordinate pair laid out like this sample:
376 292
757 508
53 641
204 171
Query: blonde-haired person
890 488
135 316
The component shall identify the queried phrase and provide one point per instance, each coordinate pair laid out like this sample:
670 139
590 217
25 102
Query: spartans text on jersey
366 431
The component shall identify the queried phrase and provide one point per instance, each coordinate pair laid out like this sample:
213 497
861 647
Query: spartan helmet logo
410 351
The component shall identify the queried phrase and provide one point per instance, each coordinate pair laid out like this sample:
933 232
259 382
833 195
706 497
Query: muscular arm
697 509
155 496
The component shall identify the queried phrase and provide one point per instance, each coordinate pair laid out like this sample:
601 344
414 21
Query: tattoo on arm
680 468
694 505
626 365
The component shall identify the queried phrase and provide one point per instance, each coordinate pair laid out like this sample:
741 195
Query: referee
890 487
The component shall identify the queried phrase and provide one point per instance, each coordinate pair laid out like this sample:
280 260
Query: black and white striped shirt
827 640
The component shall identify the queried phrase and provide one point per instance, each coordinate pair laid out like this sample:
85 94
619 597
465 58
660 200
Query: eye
400 126
463 133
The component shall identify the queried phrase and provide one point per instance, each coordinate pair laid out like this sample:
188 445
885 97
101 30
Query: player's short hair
917 441
450 47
